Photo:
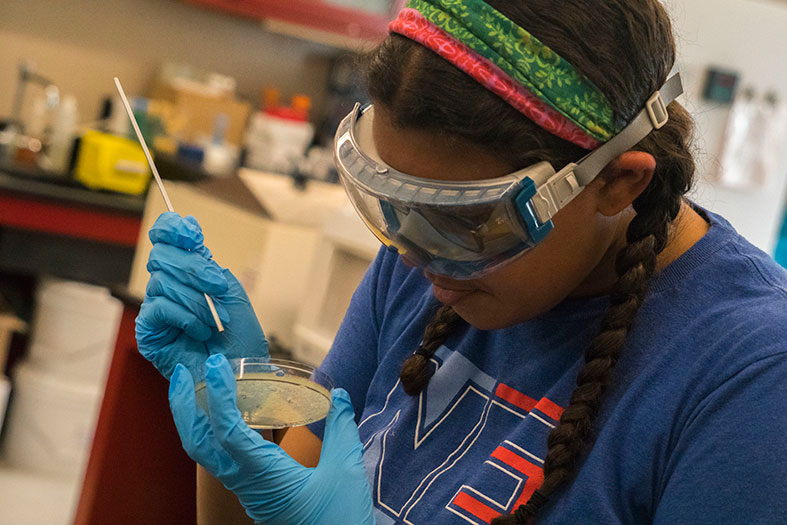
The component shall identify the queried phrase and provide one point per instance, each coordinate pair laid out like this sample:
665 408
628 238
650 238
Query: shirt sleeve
730 465
352 360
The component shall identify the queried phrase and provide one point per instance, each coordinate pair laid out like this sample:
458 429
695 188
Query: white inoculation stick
156 176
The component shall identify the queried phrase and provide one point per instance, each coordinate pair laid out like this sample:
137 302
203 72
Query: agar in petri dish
275 393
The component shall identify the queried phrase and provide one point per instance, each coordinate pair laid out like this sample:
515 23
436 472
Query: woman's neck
687 228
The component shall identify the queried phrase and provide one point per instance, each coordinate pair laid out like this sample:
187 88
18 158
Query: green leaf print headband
510 61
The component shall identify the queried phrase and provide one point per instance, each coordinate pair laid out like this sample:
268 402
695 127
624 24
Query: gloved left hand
272 487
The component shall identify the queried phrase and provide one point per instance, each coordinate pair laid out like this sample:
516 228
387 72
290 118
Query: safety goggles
461 229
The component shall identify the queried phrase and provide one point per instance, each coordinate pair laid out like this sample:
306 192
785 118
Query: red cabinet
360 19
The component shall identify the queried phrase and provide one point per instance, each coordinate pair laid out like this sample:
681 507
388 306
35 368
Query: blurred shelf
320 19
50 186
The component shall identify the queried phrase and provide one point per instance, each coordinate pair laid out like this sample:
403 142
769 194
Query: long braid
415 373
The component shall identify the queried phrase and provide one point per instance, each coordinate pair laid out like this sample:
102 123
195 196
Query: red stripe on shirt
527 403
516 461
534 473
515 397
480 510
550 408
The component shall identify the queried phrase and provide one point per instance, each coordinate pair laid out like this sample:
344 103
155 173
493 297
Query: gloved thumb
341 442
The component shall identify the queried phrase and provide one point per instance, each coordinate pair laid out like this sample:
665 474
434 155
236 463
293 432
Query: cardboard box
199 112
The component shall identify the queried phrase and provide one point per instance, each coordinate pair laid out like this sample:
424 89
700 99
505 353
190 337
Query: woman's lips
449 297
447 291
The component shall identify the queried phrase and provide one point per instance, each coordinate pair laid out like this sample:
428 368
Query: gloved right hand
174 324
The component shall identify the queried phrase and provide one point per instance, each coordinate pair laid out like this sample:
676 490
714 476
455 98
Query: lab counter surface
48 226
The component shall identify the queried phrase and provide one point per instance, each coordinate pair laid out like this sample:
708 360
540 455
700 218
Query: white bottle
64 129
220 158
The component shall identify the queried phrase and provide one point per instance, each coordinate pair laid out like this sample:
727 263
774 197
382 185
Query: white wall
82 44
749 36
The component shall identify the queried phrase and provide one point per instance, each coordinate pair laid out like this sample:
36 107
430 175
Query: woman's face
574 259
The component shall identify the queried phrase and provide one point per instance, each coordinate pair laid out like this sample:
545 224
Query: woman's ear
624 180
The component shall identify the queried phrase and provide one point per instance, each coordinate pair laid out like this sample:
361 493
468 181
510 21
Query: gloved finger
162 284
341 442
193 425
235 436
171 228
159 314
182 232
189 268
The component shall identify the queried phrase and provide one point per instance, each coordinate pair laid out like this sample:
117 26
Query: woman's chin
481 318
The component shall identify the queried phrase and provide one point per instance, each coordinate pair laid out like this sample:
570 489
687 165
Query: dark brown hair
626 48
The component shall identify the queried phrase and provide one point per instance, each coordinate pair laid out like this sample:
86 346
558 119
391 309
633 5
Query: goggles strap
653 116
562 187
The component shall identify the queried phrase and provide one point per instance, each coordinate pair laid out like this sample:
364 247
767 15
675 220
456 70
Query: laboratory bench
53 226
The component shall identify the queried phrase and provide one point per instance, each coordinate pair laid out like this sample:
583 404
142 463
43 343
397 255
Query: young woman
552 332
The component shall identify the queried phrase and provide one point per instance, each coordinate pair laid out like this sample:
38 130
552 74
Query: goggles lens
460 230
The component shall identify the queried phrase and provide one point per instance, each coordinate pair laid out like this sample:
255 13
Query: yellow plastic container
109 162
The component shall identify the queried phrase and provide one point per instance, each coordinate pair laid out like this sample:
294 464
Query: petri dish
276 393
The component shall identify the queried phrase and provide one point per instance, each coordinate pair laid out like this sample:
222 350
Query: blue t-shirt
693 430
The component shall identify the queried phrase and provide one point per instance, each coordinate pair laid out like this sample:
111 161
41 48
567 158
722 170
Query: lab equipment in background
720 85
344 88
184 76
29 75
278 136
74 329
221 158
59 385
318 164
37 119
753 140
26 136
197 98
43 402
61 140
115 118
112 163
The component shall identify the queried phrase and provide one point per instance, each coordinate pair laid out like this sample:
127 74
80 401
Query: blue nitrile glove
175 324
272 487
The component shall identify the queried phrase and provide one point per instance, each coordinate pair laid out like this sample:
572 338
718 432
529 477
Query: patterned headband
513 64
